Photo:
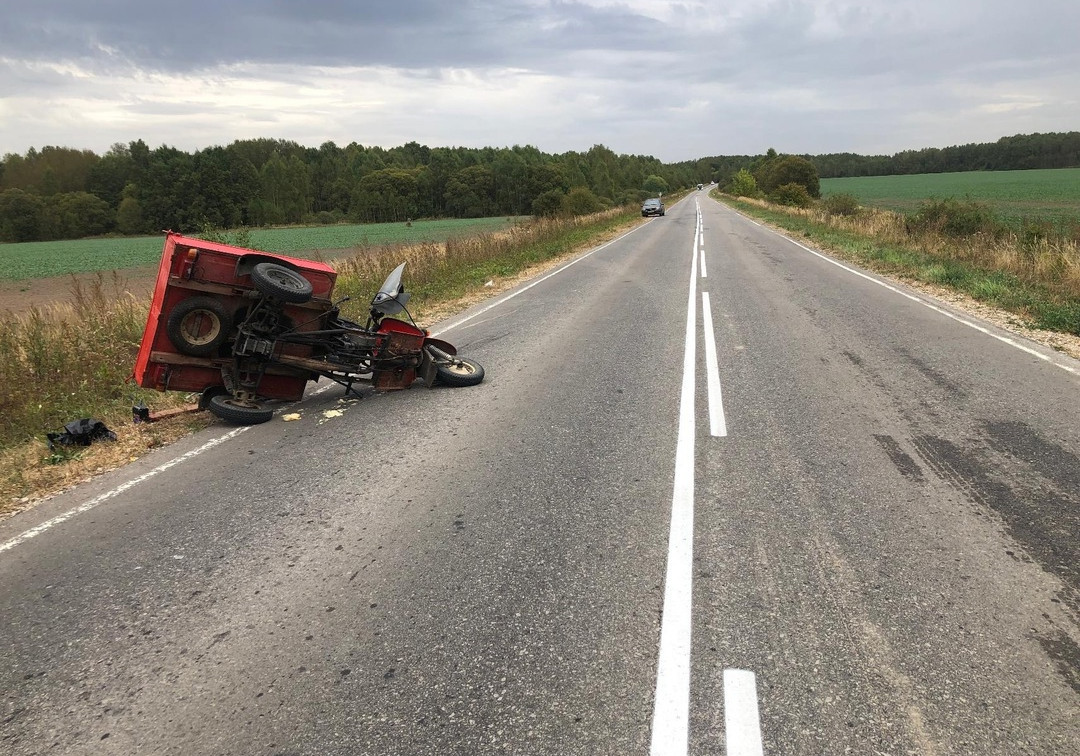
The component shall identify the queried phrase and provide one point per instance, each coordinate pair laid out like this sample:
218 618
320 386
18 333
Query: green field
60 258
1015 196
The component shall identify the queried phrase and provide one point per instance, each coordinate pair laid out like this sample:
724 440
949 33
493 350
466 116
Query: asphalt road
717 494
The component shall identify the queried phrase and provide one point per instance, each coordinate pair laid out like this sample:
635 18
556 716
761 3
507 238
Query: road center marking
671 708
717 421
742 726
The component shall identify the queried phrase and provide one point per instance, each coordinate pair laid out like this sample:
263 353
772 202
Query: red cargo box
196 268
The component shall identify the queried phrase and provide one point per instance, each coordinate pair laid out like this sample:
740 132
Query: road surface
717 494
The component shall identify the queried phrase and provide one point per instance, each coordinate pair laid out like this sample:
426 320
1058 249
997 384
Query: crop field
34 260
1015 196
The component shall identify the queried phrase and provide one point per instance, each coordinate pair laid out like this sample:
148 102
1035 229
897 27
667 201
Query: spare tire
280 282
198 326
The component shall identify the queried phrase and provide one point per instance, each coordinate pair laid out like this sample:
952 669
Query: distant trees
743 184
655 186
548 204
1020 152
134 189
20 215
129 217
469 192
386 195
57 192
776 171
581 201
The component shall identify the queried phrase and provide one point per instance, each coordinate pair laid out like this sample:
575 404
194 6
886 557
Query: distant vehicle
652 206
700 186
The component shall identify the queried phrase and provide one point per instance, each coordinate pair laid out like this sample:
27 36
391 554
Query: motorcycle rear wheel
239 413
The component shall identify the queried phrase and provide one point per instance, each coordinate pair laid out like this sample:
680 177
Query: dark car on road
652 207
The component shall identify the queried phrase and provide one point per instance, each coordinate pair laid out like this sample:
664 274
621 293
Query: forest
64 193
1014 153
67 193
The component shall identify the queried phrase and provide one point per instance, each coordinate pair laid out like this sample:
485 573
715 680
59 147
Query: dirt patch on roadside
20 296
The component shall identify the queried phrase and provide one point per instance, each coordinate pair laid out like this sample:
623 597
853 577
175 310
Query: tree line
1014 153
59 192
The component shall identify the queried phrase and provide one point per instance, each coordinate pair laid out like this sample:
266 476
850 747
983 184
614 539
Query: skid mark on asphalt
1035 509
907 466
1029 484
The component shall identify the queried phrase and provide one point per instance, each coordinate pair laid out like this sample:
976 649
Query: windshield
391 298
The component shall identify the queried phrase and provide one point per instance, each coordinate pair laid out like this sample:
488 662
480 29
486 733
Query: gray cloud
675 79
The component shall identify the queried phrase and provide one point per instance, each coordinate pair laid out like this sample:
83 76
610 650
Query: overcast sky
674 79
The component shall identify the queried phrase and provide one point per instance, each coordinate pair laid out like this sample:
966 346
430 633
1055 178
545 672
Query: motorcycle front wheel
460 373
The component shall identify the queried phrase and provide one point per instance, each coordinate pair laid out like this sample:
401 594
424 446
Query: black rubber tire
227 408
198 326
280 282
467 373
208 394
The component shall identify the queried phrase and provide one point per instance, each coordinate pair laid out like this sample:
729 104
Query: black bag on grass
80 433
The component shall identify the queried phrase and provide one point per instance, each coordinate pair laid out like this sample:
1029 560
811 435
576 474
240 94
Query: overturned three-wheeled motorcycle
242 327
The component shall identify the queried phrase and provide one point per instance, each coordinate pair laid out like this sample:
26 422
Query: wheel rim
239 403
284 279
461 368
200 327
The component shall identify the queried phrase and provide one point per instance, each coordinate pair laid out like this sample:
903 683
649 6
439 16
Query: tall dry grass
64 362
1049 261
436 272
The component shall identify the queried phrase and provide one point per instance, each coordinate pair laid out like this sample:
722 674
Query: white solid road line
671 709
742 726
87 506
699 240
920 300
717 421
935 308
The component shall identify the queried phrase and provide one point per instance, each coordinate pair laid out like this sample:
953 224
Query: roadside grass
1038 280
436 273
73 361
